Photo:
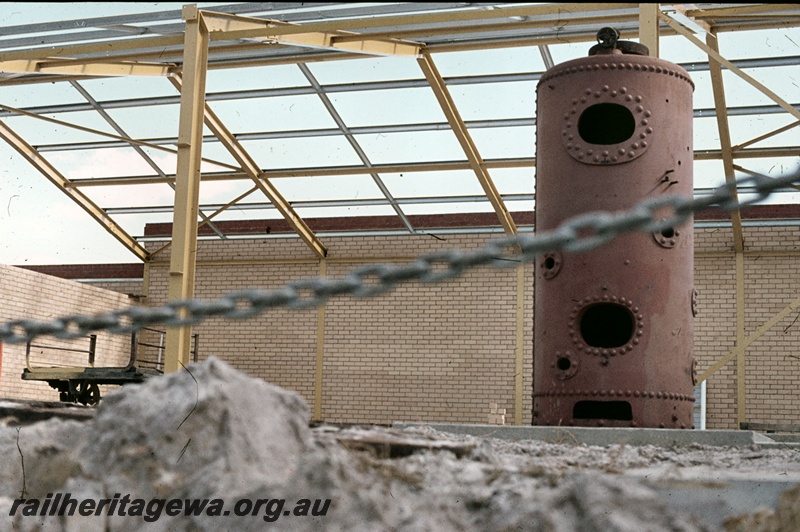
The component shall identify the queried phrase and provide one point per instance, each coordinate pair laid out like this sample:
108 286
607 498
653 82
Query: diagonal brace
253 171
467 144
55 177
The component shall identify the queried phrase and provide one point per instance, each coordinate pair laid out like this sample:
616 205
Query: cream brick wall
443 352
438 352
771 282
132 287
434 353
31 295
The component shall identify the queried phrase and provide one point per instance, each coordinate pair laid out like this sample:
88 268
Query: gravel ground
214 433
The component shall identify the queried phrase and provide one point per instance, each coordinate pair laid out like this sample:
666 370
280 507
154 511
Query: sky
40 225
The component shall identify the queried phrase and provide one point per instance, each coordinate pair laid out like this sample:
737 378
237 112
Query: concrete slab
784 437
603 435
710 491
713 502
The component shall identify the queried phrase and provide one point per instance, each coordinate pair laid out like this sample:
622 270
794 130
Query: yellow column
648 27
187 181
519 351
323 270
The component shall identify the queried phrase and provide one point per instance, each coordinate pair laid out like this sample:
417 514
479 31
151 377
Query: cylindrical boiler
613 325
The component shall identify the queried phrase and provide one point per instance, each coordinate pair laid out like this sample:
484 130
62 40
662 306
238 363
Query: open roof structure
294 110
214 113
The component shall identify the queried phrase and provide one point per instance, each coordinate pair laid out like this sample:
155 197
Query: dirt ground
214 433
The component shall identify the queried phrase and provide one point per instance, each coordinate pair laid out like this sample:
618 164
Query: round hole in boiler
563 363
549 263
606 123
668 232
607 325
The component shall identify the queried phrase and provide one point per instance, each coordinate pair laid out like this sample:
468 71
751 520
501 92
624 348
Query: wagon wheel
87 393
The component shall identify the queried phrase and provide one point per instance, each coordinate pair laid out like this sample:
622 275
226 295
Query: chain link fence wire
581 233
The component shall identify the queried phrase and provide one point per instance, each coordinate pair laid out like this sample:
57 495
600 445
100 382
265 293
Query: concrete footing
608 436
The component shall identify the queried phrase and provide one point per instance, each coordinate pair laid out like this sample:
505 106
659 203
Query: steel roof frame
264 34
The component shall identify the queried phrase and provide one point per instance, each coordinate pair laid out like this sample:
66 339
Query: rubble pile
245 447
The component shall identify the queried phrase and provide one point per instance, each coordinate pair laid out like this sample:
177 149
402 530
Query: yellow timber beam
740 332
55 177
765 136
465 16
519 347
718 89
220 25
768 16
467 144
758 174
648 27
76 183
713 54
254 172
780 10
65 67
319 364
187 183
99 49
209 218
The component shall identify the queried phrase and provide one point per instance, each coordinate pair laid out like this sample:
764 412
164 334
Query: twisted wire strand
581 233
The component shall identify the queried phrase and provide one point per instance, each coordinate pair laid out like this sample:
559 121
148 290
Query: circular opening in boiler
606 123
669 232
549 263
563 364
607 325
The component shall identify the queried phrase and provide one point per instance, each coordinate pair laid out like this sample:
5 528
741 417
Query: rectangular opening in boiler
616 410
